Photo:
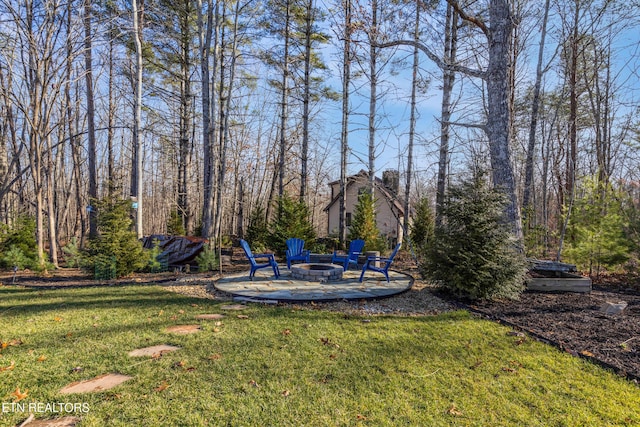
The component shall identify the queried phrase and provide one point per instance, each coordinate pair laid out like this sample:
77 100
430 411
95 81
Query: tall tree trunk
412 123
208 110
136 175
344 136
535 104
304 154
373 85
283 100
498 124
225 109
91 128
111 115
448 77
185 144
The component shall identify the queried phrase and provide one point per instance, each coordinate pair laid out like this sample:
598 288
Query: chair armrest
263 255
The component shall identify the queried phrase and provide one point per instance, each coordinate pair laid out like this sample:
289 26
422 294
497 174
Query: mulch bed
575 323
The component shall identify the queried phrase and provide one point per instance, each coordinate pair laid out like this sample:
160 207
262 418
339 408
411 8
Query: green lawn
289 367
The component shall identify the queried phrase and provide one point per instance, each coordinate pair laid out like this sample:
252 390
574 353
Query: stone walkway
266 287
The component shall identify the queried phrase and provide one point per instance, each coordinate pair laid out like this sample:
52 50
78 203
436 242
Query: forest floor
573 322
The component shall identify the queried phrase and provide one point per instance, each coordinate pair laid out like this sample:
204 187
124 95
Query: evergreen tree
474 254
20 237
116 251
422 227
257 232
596 234
292 221
363 224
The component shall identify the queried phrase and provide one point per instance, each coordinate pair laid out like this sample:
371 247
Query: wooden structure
551 276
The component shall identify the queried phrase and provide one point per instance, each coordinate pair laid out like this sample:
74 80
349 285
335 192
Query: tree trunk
498 124
448 77
304 154
344 136
373 85
412 124
283 100
91 128
535 104
136 175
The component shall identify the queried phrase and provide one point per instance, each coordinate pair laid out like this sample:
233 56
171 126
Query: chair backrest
247 251
295 245
393 254
355 248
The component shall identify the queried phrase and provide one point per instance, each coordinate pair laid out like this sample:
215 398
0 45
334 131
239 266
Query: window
348 219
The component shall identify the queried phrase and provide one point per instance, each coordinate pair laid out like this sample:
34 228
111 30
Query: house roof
393 199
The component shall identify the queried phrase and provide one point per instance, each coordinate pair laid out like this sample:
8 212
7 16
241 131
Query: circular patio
286 288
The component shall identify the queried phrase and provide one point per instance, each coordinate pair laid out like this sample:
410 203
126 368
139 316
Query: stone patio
266 287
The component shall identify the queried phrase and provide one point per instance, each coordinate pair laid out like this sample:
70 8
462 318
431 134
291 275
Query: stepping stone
234 307
97 384
56 422
214 316
153 350
184 329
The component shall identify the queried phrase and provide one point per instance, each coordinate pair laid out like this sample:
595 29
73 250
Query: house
389 205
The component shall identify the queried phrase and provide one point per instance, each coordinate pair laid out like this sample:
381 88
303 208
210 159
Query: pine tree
363 224
422 227
596 236
292 221
474 254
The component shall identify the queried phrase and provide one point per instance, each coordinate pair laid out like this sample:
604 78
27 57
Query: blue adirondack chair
271 261
296 251
385 263
351 257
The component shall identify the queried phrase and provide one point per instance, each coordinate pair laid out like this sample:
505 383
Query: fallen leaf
174 317
57 319
161 312
190 369
454 411
162 387
242 316
587 353
254 383
216 356
286 332
18 395
69 335
216 329
8 368
181 311
286 393
194 305
218 324
179 364
361 417
42 358
77 369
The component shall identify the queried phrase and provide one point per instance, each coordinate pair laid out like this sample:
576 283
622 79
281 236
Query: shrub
292 220
157 262
474 254
364 226
116 252
207 259
257 232
596 233
422 226
175 225
72 253
16 258
21 235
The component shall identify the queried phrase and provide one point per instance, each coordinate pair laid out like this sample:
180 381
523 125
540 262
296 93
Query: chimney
391 180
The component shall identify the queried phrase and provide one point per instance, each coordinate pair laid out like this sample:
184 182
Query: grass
283 366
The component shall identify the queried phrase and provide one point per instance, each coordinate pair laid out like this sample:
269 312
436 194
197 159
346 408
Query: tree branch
432 56
478 22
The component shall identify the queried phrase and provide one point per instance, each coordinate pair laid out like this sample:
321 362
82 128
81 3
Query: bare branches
435 58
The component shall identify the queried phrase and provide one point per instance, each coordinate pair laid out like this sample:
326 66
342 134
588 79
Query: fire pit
317 272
